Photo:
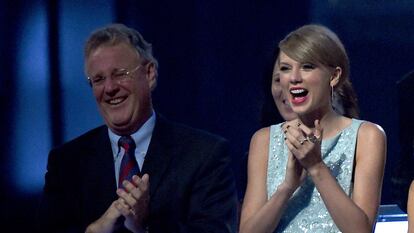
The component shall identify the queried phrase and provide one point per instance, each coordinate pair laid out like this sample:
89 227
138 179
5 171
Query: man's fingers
128 185
122 207
141 183
129 198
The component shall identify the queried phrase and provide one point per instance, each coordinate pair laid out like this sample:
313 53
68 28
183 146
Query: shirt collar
142 136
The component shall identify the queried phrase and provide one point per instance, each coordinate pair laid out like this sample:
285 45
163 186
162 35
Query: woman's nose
295 76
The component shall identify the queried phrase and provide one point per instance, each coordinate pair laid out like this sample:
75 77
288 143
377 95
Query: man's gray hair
114 34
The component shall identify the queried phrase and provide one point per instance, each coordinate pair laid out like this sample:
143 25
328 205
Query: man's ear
151 74
336 76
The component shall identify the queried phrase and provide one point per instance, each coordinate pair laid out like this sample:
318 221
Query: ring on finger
303 140
312 138
132 211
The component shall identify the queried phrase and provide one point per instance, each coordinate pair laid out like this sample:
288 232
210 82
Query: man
186 186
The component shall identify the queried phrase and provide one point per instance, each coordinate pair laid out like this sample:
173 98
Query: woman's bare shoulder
369 130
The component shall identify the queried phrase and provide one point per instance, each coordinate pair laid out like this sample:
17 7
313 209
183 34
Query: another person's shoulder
192 144
187 134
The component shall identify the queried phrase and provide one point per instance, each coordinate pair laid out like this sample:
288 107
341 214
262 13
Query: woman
321 172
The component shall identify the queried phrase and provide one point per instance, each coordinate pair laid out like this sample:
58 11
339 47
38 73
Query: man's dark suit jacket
191 184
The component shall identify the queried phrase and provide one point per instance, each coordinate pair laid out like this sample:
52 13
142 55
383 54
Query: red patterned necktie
129 165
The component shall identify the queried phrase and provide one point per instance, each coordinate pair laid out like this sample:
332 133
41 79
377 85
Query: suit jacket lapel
159 154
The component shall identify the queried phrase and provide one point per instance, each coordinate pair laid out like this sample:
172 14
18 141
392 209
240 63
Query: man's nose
111 86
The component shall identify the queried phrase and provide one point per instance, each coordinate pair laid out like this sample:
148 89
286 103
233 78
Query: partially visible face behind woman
279 97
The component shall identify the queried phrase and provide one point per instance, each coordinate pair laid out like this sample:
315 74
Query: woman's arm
259 214
361 210
410 208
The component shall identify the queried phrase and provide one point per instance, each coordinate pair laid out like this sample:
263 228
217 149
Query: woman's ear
336 76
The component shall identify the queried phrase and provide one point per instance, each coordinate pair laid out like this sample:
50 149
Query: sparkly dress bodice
306 211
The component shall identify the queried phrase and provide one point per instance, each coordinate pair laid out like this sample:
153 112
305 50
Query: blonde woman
323 171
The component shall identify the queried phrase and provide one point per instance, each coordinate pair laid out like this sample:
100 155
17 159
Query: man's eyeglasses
118 75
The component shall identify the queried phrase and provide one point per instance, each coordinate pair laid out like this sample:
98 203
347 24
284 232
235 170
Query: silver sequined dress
306 211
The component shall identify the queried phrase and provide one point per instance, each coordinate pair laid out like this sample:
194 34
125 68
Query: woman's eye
308 66
284 68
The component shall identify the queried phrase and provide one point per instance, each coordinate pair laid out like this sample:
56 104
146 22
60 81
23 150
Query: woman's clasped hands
304 150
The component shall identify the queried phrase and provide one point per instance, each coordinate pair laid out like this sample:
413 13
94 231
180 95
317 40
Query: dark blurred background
212 57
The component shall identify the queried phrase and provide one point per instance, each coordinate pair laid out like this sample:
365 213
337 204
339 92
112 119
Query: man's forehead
110 58
121 46
112 53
